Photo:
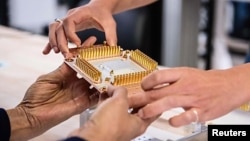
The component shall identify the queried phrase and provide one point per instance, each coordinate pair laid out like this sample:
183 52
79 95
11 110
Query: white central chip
116 65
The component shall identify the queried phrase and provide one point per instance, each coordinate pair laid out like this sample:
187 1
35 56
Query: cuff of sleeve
4 125
74 139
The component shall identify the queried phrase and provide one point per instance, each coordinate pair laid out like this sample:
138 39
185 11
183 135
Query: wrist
240 75
21 125
91 132
110 6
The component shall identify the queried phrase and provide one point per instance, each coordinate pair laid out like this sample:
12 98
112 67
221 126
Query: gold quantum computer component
245 107
102 65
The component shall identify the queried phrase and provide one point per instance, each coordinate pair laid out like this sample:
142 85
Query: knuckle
66 21
52 25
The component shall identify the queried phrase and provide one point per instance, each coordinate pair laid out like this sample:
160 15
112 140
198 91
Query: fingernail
67 55
55 49
140 114
111 43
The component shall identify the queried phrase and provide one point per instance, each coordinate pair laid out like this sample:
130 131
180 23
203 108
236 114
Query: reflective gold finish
98 64
90 70
69 59
142 59
245 107
130 78
99 52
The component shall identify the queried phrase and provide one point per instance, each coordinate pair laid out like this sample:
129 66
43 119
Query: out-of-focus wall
33 15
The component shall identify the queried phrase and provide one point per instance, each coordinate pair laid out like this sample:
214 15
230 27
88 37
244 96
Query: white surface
234 117
237 117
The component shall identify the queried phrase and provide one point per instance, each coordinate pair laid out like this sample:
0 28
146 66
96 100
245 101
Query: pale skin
211 93
111 120
96 14
191 88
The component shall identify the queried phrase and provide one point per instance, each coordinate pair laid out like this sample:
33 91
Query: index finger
70 31
138 100
62 41
157 107
113 91
160 77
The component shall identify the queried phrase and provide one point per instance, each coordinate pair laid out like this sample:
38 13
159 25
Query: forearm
241 80
234 83
21 125
117 6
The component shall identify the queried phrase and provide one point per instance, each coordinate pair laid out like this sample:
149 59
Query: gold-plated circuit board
102 65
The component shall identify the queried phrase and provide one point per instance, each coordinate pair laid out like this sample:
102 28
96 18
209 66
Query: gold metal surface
245 107
143 60
97 52
90 70
102 65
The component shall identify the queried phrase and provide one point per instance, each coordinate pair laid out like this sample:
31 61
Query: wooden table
21 62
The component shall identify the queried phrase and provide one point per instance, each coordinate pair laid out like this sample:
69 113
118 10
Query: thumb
59 74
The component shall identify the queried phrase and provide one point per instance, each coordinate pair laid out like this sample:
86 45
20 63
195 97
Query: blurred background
198 33
207 34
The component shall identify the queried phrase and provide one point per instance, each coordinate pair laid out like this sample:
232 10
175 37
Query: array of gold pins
245 107
90 70
143 60
106 51
99 52
130 78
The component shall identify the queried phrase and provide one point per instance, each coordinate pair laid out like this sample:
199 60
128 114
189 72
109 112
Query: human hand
211 94
91 15
111 120
53 98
